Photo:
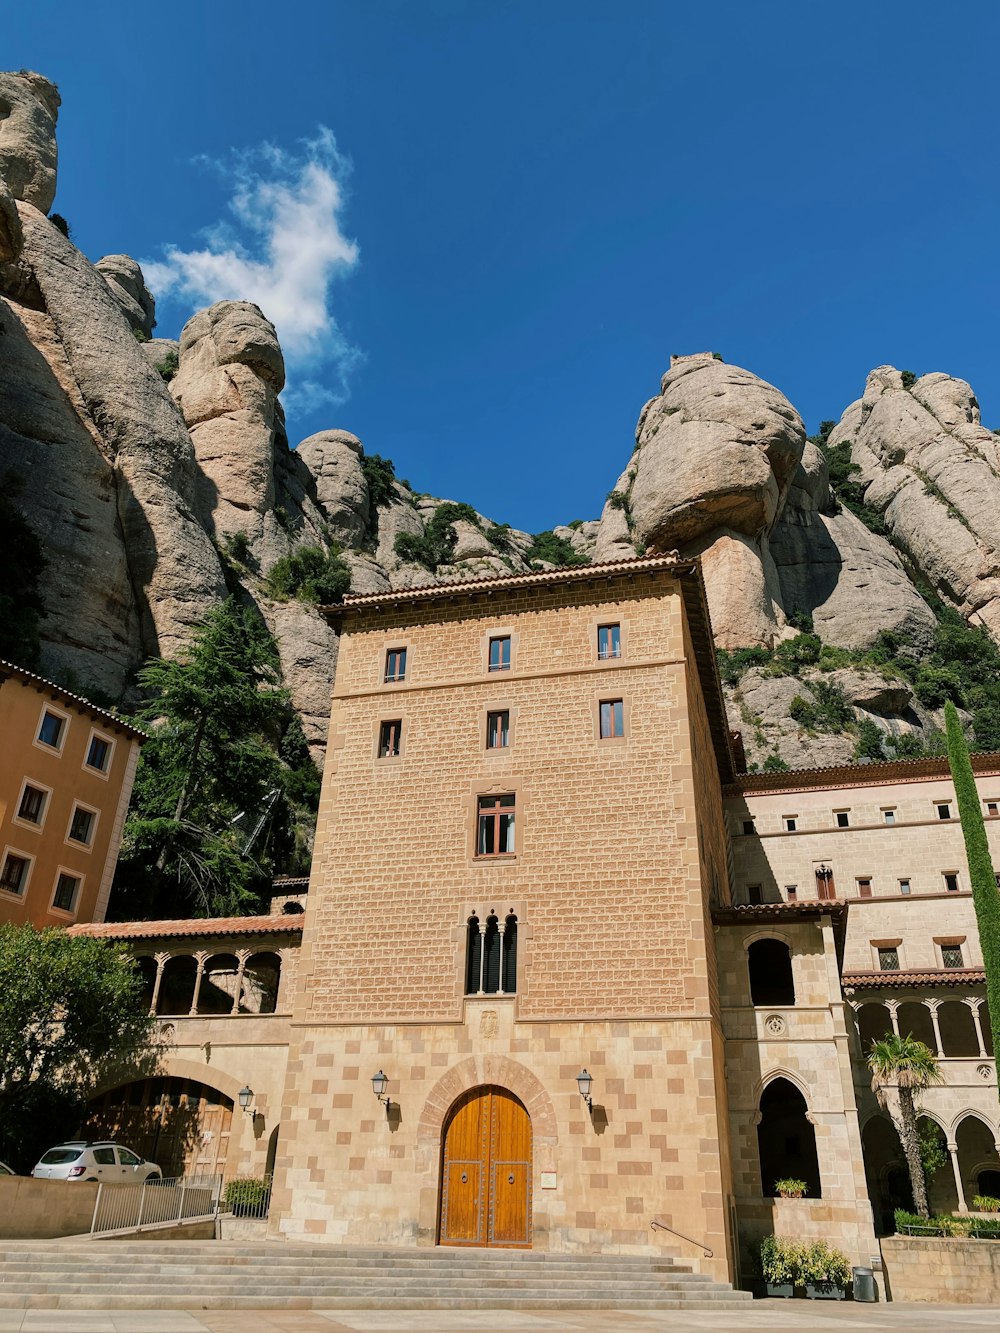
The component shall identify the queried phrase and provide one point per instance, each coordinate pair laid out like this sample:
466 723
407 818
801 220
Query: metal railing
657 1225
154 1202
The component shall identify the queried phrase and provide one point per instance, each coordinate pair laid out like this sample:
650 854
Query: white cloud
282 249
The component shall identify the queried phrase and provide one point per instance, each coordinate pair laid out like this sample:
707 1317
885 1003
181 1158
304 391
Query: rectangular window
944 811
497 730
65 896
32 804
609 641
792 892
992 808
888 960
904 887
612 719
395 665
843 819
98 752
951 881
951 955
389 736
864 888
14 875
81 826
495 833
889 816
755 894
51 730
748 828
500 653
789 823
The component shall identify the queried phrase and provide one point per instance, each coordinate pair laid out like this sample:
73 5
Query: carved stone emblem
488 1023
774 1024
985 1072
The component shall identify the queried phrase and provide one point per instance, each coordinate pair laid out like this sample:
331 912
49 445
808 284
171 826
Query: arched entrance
182 1125
486 1171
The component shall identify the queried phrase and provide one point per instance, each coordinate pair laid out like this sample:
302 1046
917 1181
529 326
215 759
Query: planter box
784 1289
824 1291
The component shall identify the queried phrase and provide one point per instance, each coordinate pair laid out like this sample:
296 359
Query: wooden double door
486 1171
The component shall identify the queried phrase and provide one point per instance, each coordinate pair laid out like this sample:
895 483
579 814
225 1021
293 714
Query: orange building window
389 737
612 719
495 832
500 653
497 730
609 641
97 754
14 875
65 895
82 826
32 804
395 665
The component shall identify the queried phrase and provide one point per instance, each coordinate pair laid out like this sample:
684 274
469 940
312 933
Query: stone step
119 1300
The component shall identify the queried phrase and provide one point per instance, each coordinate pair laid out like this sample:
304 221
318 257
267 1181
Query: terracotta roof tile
855 775
8 669
950 976
218 925
575 574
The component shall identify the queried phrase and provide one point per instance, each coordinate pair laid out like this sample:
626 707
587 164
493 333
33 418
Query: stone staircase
213 1275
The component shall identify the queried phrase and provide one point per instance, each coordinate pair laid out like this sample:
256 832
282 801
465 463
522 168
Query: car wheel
91 1180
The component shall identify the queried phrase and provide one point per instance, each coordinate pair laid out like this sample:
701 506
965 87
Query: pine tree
206 774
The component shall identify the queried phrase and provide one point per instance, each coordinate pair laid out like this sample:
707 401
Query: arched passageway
181 1125
486 1171
786 1140
886 1172
978 1161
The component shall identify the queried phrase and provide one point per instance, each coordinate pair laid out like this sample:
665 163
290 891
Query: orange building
66 773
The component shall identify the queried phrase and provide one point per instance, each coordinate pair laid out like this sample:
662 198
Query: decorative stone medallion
774 1025
985 1072
488 1023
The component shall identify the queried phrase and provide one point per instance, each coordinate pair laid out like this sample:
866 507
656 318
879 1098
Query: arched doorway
786 1139
181 1125
486 1171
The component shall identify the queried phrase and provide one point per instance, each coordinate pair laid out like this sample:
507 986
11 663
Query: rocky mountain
158 476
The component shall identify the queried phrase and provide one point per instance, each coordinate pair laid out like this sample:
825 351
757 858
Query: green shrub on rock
311 575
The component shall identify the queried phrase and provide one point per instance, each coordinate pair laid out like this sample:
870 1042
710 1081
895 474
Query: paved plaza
824 1317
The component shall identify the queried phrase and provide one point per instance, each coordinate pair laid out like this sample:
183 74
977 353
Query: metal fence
154 1202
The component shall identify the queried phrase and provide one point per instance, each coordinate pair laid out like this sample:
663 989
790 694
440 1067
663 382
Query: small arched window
491 955
770 965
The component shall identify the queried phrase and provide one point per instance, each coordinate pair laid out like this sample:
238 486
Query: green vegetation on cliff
220 781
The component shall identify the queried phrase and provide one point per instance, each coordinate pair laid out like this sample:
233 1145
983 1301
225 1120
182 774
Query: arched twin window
491 955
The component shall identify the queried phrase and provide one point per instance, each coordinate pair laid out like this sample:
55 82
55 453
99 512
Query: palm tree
910 1067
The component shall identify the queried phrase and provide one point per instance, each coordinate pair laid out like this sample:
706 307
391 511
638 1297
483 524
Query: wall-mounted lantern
245 1095
380 1082
585 1082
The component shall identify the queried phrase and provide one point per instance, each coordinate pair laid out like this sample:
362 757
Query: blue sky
491 223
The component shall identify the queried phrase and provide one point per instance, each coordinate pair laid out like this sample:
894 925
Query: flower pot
824 1291
784 1289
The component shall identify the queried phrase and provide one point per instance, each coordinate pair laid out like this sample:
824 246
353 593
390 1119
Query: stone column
893 1006
241 957
160 959
953 1154
202 958
932 1005
482 957
500 927
975 1004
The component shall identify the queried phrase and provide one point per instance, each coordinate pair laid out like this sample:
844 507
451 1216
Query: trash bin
864 1284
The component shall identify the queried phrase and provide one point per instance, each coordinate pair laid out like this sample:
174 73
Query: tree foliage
73 1009
311 575
436 545
909 1067
217 719
553 550
985 897
380 476
21 566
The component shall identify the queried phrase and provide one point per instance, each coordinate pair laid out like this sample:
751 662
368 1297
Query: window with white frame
491 954
14 872
67 892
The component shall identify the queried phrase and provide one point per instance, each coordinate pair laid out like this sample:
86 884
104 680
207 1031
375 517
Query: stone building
538 874
65 781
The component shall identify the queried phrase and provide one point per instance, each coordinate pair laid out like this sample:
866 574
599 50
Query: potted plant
825 1271
779 1265
986 1203
248 1196
789 1188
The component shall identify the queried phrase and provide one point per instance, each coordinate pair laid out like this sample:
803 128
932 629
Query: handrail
657 1225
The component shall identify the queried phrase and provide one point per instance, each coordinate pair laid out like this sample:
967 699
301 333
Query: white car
109 1163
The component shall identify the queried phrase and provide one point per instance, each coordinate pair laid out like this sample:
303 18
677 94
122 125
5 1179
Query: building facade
566 980
65 784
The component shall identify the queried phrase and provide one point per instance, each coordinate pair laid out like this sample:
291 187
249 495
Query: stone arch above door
500 1071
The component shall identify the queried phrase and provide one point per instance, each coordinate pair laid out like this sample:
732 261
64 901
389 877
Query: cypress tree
985 897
